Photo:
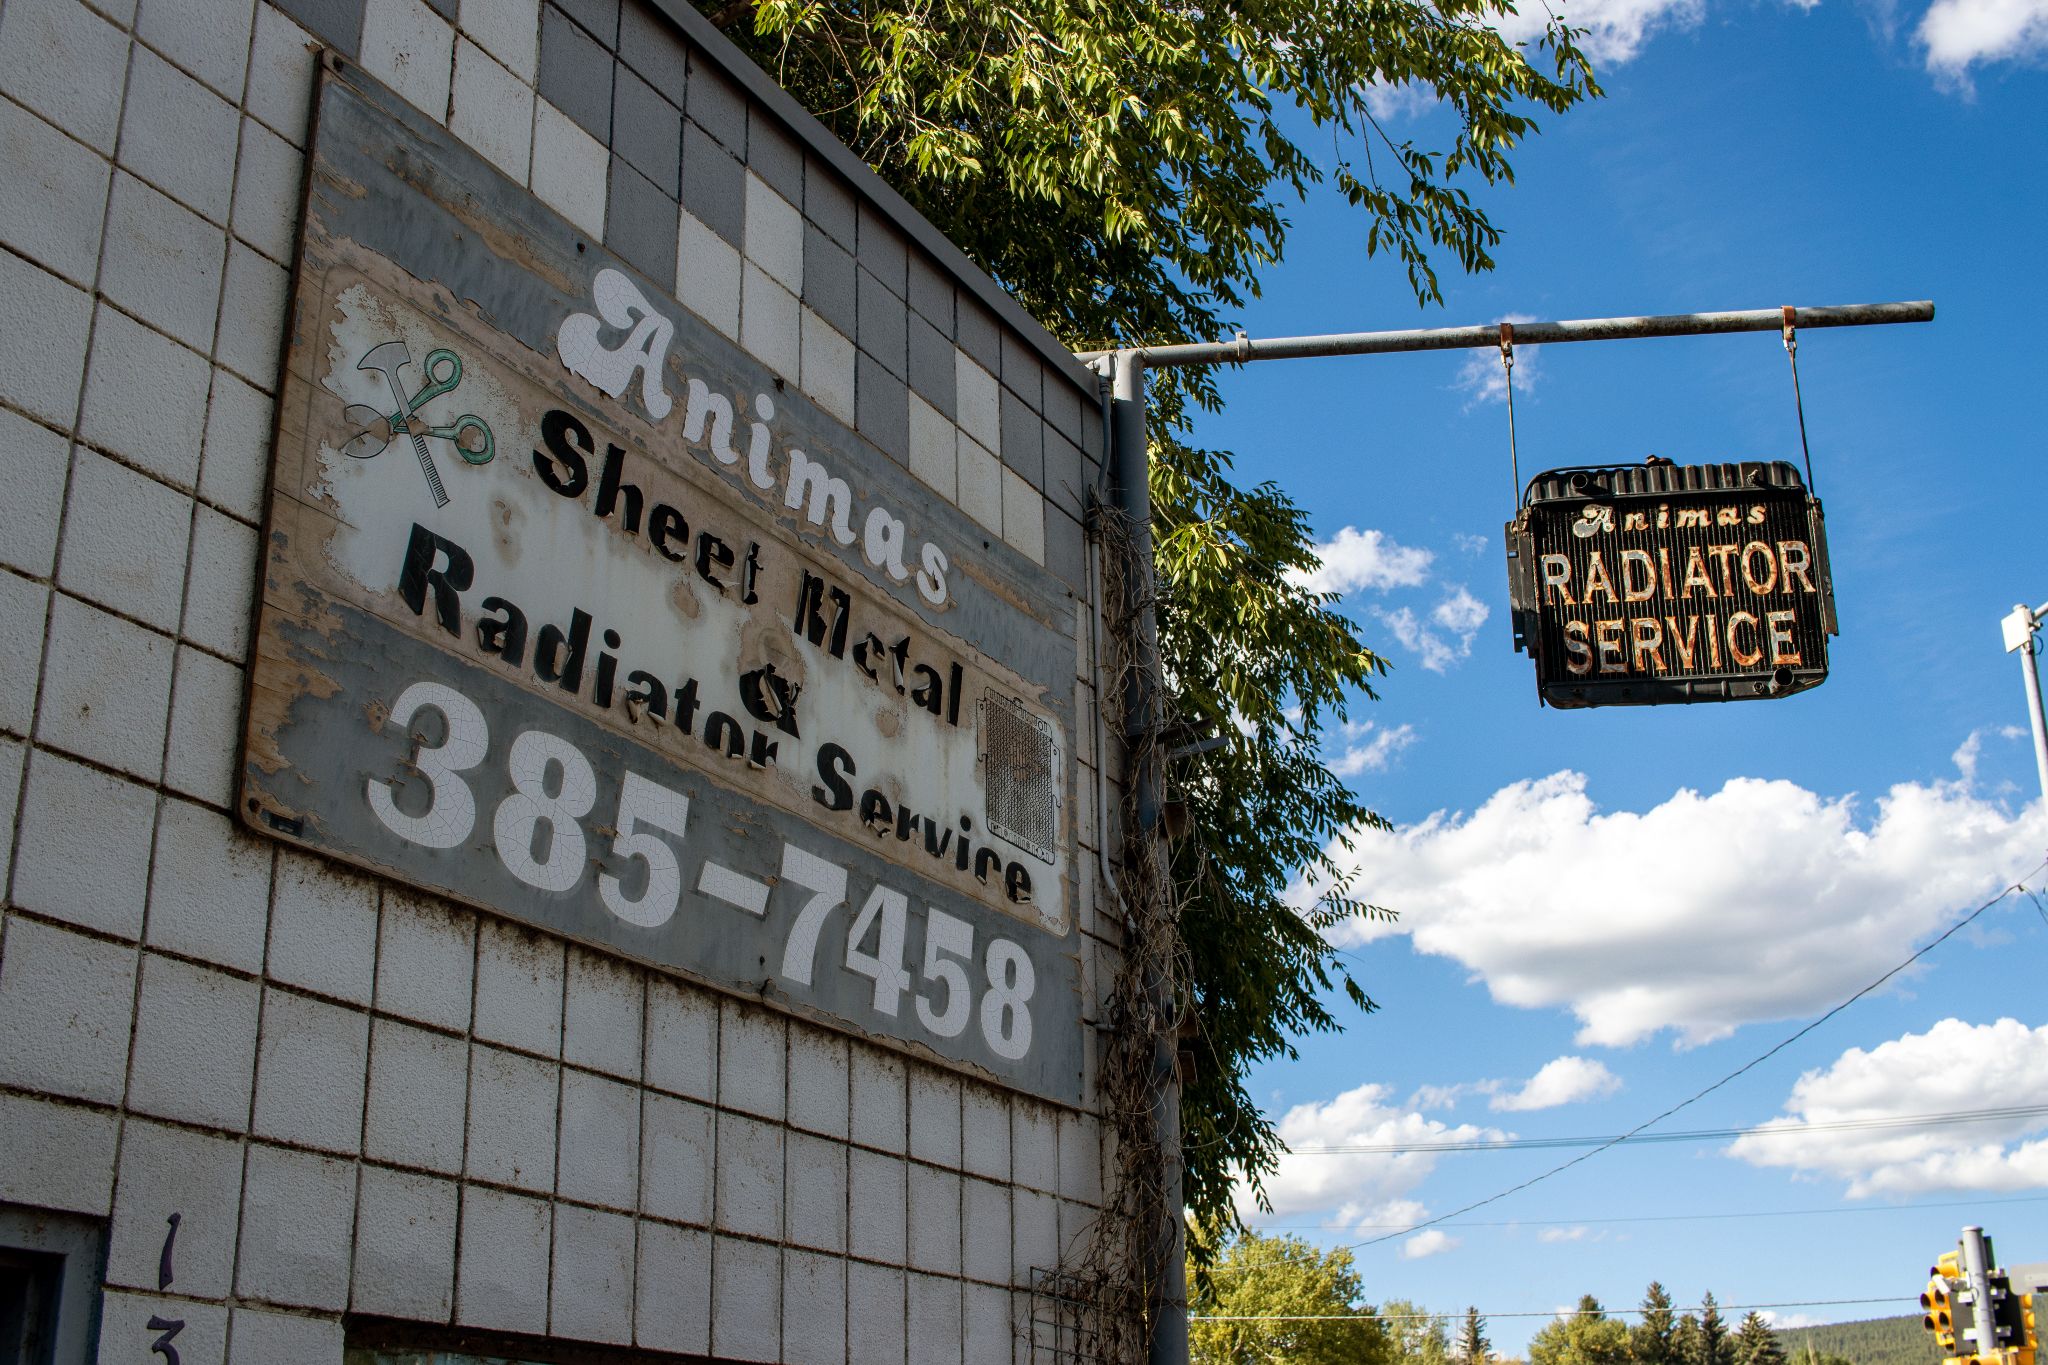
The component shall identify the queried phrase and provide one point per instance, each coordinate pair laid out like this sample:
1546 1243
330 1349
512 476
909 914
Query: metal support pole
1977 1275
2021 634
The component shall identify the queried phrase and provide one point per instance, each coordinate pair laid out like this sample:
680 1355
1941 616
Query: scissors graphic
443 370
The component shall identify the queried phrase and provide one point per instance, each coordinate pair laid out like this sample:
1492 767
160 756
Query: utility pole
1125 370
2020 631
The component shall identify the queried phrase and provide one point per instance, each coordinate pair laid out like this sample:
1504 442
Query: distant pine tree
1715 1348
1472 1343
1652 1340
1685 1341
1756 1343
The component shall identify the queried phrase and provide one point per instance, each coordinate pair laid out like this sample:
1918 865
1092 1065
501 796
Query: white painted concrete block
746 1300
935 1321
503 1281
267 191
752 1048
935 1117
84 853
606 1000
1023 517
145 399
1080 1158
879 1099
1034 1146
124 541
179 136
323 928
509 30
34 461
769 326
235 468
985 1231
162 262
828 366
569 168
774 234
65 1003
934 1217
981 484
708 275
518 988
1037 1238
24 610
979 401
310 1065
209 38
281 74
252 303
426 959
199 1178
814 1328
59 1156
816 1193
934 448
512 1106
209 893
206 727
878 1189
108 688
492 110
125 1318
600 1141
66 63
59 195
817 1081
987 1333
676 1152
418 1098
297 1213
672 1308
875 1312
1077 1226
409 48
195 1044
682 1040
749 1177
43 323
264 1338
220 599
13 758
592 1295
405 1246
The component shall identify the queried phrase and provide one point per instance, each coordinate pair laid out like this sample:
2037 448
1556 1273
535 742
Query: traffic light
1937 1303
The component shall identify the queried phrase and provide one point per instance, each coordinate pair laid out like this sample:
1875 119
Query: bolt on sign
573 611
1646 584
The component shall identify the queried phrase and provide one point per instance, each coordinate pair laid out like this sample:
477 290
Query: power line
1675 1217
1699 1095
1697 1135
1531 1313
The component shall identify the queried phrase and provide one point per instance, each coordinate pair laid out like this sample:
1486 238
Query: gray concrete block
1067 407
426 960
405 1246
883 320
13 758
714 184
985 1132
600 17
882 250
985 1231
84 852
600 1141
935 1117
746 1300
145 400
1065 484
65 1003
934 1218
682 1040
310 1067
163 262
418 1097
647 131
932 369
878 1191
24 612
815 1287
267 190
592 1295
880 1099
676 1160
206 727
672 1305
651 45
1077 1227
195 1044
576 74
507 29
817 1081
718 105
882 408
66 63
125 541
502 1282
339 22
980 335
640 224
816 1193
59 1156
749 1177
125 1318
931 293
829 203
59 197
1066 550
297 1213
876 1310
828 284
775 155
261 1338
108 685
252 302
752 1048
323 929
518 988
43 327
601 1015
1023 439
1023 371
934 1323
179 136
513 1103
281 68
34 461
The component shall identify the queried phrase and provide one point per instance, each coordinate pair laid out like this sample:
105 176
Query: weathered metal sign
574 611
1647 584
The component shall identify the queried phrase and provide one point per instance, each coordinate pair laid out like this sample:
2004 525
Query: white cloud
1448 635
1401 100
1369 748
1563 1080
1461 612
1971 751
1365 559
1959 34
1481 375
1356 1189
1954 1067
1571 1234
1785 1321
1469 543
1758 901
1431 1242
1615 29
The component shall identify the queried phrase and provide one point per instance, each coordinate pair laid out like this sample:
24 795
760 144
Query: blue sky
1629 904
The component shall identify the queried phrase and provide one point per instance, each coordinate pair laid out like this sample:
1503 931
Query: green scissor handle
468 434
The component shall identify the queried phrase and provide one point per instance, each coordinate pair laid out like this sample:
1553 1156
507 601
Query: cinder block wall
357 1099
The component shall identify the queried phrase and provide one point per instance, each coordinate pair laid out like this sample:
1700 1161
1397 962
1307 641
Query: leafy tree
1255 1276
1755 1342
1420 1337
1714 1347
1472 1343
1587 1337
1651 1340
1124 167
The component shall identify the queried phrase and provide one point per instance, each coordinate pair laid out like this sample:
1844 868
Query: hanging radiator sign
1649 584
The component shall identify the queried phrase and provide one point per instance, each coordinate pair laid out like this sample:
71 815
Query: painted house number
538 833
